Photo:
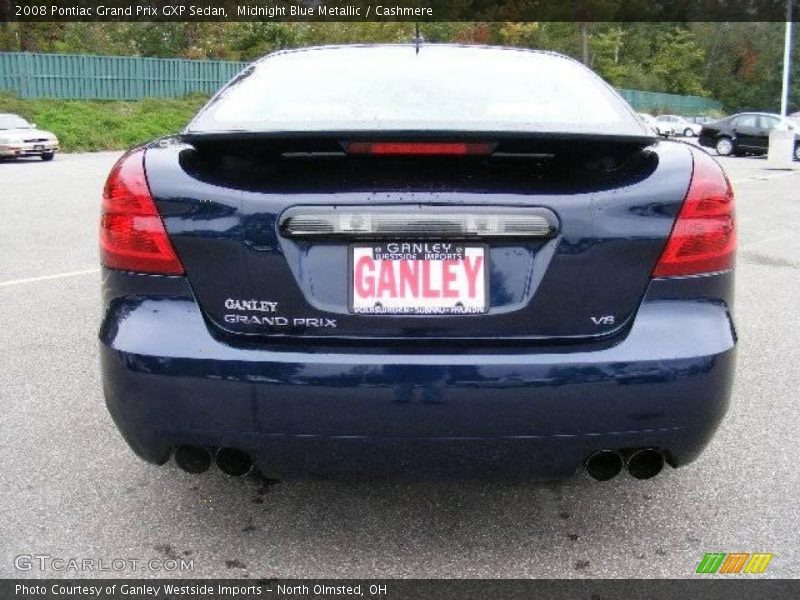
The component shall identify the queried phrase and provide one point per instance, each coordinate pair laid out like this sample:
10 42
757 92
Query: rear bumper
168 381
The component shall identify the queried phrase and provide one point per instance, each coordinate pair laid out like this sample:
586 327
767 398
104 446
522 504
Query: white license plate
418 278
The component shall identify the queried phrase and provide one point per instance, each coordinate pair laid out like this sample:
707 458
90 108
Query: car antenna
417 37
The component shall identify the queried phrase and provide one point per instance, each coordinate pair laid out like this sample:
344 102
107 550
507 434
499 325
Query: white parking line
765 177
47 277
774 238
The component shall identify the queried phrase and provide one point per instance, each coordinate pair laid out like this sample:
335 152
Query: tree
743 64
678 61
606 54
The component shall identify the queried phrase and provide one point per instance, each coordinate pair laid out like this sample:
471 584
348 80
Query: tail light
132 235
703 239
418 148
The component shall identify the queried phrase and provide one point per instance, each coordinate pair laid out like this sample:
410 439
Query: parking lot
74 489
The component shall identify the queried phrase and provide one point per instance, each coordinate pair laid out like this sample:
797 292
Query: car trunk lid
605 206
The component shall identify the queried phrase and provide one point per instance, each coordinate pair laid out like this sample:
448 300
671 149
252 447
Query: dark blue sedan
424 261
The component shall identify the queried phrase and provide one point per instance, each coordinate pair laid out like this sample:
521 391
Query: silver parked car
660 128
20 138
682 126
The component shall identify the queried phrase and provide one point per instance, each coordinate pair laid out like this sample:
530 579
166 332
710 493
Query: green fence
660 103
130 77
110 77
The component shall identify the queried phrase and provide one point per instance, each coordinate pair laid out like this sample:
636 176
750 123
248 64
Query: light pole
787 58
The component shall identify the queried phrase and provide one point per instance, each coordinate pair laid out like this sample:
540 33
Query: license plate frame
419 311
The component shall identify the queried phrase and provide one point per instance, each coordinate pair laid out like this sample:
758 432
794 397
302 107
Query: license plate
418 278
38 147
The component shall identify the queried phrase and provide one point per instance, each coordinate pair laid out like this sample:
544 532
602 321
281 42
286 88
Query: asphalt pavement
72 488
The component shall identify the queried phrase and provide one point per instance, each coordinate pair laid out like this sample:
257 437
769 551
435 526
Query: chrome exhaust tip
645 463
193 459
233 462
604 465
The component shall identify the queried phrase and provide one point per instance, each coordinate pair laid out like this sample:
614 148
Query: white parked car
682 126
20 138
659 128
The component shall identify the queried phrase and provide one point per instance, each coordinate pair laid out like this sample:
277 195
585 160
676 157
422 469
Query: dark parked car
745 133
427 261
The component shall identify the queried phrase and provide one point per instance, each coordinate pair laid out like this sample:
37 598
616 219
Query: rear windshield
440 88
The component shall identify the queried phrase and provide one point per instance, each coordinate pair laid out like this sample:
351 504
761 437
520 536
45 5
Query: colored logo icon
734 562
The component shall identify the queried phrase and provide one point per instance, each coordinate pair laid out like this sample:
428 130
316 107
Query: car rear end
28 146
691 129
400 296
666 128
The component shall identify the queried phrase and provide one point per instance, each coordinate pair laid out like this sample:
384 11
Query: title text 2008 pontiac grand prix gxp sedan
417 260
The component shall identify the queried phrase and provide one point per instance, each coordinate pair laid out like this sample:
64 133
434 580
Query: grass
92 125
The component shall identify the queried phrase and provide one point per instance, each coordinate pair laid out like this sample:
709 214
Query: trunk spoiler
499 143
415 135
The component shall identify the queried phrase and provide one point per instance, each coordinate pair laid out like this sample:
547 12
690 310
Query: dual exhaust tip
198 459
641 463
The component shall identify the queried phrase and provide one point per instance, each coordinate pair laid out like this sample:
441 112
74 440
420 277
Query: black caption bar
712 588
396 10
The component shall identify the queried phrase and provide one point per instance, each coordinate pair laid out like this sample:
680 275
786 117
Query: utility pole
585 41
787 59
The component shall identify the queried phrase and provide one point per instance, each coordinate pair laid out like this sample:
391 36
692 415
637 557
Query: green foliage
90 125
606 50
252 40
518 34
744 64
677 62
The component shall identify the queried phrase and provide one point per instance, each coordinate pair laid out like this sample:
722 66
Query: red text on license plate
425 278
